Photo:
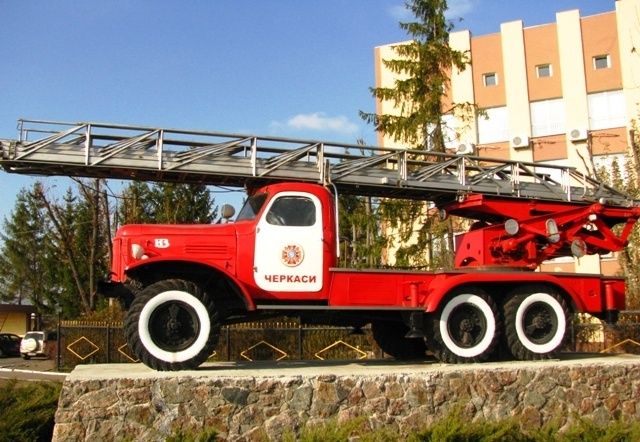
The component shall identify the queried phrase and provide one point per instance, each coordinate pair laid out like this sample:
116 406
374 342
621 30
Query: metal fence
82 342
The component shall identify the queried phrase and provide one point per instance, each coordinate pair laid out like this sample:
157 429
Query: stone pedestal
248 401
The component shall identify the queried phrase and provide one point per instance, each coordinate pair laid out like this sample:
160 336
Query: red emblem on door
292 255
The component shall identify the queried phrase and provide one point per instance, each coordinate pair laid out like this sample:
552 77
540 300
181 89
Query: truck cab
280 248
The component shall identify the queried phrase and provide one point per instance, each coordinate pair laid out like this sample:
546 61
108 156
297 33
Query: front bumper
110 289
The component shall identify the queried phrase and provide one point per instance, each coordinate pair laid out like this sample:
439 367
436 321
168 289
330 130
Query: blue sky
292 68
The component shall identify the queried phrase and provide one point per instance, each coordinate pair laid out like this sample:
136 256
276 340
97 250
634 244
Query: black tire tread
510 308
390 337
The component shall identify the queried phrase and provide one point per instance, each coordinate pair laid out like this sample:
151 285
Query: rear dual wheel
172 325
466 328
536 322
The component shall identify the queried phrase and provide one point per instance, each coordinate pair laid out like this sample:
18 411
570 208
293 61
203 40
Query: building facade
16 319
564 93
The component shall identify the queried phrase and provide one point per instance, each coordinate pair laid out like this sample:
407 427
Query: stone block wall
246 404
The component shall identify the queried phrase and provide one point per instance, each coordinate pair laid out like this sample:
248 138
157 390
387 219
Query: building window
493 125
547 117
490 79
543 70
601 62
607 110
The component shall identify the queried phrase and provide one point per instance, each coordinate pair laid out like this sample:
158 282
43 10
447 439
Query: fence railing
81 342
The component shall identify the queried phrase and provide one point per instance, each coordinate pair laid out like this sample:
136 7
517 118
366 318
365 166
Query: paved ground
40 368
38 364
34 368
318 368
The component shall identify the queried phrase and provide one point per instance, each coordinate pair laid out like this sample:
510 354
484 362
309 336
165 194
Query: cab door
289 244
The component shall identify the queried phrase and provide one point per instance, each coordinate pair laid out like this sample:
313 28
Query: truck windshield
252 207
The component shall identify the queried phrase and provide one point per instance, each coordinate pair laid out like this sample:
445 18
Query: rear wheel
390 337
536 322
172 325
466 327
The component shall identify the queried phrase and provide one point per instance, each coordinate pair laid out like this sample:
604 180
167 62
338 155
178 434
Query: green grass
27 410
455 428
334 432
209 435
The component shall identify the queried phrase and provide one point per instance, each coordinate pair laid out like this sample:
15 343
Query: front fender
179 265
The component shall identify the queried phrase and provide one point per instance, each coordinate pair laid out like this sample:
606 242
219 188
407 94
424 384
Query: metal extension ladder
155 154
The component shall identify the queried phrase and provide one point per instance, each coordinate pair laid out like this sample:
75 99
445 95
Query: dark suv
9 344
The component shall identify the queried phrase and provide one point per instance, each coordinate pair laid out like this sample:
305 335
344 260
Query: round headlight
137 251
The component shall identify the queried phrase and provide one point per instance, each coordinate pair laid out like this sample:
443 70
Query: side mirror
227 211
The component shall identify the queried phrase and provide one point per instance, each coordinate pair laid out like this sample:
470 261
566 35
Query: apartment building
564 93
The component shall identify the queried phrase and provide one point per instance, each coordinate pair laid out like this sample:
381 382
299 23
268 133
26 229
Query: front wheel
536 322
172 325
466 327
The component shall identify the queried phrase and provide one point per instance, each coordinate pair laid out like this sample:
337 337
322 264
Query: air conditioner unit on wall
520 142
579 134
466 149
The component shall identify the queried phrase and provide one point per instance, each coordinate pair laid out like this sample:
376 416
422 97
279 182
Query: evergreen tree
166 203
53 253
359 221
422 69
25 257
67 298
135 204
173 203
360 237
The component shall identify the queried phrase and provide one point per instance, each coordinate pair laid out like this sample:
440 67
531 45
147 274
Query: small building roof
17 308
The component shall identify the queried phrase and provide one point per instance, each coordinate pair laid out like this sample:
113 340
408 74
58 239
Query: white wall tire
145 326
172 325
467 327
536 320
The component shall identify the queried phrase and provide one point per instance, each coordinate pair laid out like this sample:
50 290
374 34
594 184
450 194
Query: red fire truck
279 255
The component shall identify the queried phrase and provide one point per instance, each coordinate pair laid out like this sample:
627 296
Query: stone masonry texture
254 404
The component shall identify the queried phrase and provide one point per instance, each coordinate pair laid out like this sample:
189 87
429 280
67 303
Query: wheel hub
174 326
540 324
466 326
